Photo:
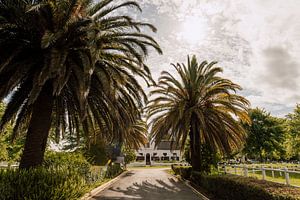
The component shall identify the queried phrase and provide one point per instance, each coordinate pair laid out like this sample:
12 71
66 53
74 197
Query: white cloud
271 29
257 42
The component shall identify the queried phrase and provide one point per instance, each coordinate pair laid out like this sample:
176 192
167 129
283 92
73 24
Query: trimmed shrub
41 183
183 171
232 187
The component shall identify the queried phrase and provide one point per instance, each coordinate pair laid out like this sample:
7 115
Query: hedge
183 171
232 187
63 176
41 183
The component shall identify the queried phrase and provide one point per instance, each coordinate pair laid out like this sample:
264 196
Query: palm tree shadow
127 174
157 189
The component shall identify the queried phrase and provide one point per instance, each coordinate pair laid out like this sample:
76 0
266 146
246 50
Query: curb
102 187
187 183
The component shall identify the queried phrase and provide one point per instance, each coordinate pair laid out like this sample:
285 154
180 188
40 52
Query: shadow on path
156 189
127 174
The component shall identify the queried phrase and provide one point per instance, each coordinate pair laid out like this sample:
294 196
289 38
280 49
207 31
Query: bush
63 176
130 155
97 154
183 171
41 183
69 160
74 161
231 187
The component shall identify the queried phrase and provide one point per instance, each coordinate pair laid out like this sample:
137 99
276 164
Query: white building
159 153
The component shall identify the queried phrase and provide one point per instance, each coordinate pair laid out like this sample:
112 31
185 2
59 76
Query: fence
8 165
244 171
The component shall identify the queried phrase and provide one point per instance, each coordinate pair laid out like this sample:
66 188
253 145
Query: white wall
159 153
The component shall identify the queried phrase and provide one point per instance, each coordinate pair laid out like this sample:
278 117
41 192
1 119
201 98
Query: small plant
113 170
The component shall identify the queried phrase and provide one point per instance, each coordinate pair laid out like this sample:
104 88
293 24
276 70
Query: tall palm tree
70 64
199 105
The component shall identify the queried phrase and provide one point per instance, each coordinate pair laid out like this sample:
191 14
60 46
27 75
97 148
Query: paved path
147 184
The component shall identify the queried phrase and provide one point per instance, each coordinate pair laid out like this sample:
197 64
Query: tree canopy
266 135
293 129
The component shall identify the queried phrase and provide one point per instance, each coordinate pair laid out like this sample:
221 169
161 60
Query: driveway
148 184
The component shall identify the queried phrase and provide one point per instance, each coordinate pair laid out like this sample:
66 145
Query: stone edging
102 187
187 183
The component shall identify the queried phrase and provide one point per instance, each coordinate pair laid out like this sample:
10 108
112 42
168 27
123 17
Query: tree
209 158
199 105
70 64
293 129
265 136
135 135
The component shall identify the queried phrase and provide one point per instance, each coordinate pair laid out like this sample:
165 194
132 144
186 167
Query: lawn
278 177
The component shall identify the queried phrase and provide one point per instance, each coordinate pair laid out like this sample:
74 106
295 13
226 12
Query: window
154 154
165 154
141 154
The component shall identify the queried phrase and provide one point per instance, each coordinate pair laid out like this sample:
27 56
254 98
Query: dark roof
166 145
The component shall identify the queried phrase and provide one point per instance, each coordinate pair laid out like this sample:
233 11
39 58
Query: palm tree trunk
38 130
195 147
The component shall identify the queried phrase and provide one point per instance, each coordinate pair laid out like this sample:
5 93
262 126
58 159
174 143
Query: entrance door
148 162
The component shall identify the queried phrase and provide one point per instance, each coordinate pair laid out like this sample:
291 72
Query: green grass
277 166
170 171
294 178
278 178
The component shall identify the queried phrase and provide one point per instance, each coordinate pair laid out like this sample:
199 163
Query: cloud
282 71
256 42
270 70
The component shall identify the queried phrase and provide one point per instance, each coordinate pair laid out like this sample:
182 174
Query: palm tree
70 64
136 135
199 105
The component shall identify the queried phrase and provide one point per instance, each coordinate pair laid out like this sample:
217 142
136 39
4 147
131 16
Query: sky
256 42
